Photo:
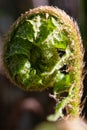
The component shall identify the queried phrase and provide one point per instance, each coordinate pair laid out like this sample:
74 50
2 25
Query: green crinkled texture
43 49
64 81
32 57
19 46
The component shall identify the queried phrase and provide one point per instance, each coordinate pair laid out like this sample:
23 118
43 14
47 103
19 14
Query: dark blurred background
20 110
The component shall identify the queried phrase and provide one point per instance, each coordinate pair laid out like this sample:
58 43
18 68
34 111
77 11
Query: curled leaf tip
43 49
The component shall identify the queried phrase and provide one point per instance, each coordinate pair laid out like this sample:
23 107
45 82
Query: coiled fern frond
43 49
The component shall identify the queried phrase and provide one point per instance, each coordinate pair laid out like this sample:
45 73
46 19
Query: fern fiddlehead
43 49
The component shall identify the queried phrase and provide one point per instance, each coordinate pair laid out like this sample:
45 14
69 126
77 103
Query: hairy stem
43 49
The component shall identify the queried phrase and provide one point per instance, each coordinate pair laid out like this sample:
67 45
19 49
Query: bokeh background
20 110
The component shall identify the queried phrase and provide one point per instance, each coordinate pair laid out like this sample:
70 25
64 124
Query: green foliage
44 50
34 45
